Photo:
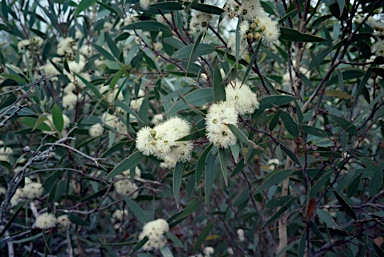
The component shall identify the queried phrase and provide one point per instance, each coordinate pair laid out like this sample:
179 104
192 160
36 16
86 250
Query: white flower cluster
67 48
32 48
48 220
208 251
243 98
256 23
200 22
5 151
240 100
218 117
118 218
125 186
273 163
96 130
378 26
154 231
240 234
45 221
146 4
161 141
31 190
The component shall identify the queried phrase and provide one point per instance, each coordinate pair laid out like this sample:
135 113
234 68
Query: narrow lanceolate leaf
84 4
128 163
200 240
207 8
200 49
290 124
57 118
296 36
147 26
280 211
346 125
166 252
253 59
270 101
104 52
177 177
273 179
137 211
201 163
345 205
198 97
223 165
242 137
209 176
218 87
167 6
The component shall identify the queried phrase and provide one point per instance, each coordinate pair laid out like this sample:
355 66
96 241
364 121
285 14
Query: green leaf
302 244
144 110
339 94
280 211
346 125
112 46
200 240
345 205
207 8
377 180
177 177
188 210
273 178
166 252
289 152
290 124
147 26
315 131
84 4
223 165
104 53
198 97
57 118
242 137
274 121
128 163
242 197
33 123
218 86
167 6
209 176
194 135
137 211
95 195
90 86
10 221
77 220
14 77
174 239
252 61
278 100
25 240
201 163
321 182
201 49
296 36
327 218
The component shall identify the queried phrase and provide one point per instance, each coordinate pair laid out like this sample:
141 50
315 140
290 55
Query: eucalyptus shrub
187 128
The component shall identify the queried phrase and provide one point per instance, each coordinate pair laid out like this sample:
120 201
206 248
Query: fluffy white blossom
270 30
70 100
146 4
218 117
45 221
378 48
63 221
208 251
31 190
154 231
127 188
243 98
240 235
67 46
118 218
5 151
161 141
96 130
200 22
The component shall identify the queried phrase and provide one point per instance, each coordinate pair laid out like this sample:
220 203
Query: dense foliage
202 128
